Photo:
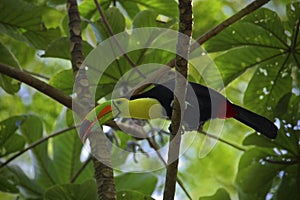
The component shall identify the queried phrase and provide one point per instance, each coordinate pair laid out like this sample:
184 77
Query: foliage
259 61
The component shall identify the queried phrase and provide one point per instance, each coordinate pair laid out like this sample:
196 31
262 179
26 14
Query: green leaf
63 80
217 169
13 144
145 18
257 175
85 191
141 182
66 157
13 179
289 183
270 82
276 165
10 85
150 18
116 21
221 194
32 130
87 8
60 48
129 195
9 141
288 134
258 40
213 9
23 21
167 7
262 28
41 39
131 8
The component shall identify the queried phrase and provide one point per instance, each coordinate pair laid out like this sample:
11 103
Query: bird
201 104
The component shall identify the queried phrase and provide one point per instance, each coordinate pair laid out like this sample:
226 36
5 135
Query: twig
36 144
182 53
111 33
221 140
80 170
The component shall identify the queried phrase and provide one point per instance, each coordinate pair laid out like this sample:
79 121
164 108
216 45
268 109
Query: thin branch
111 33
80 170
36 143
222 140
219 28
37 84
181 65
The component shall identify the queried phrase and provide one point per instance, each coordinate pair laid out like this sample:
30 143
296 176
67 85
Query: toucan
201 104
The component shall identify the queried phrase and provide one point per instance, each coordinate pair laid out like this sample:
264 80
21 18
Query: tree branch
37 84
181 65
103 172
80 170
222 140
36 144
75 35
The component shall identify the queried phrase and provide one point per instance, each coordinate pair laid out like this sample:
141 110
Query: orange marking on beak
104 111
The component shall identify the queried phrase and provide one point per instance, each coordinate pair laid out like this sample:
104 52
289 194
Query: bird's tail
257 122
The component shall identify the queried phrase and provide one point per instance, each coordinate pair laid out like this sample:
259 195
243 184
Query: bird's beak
100 115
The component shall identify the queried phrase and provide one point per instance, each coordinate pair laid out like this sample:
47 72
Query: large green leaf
63 80
116 21
32 130
167 7
255 177
260 171
10 85
60 48
221 194
288 134
67 152
131 8
66 157
208 164
275 162
87 8
263 41
13 179
141 182
145 18
130 194
10 141
84 191
23 21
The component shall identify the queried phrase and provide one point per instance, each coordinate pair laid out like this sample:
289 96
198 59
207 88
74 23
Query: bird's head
143 108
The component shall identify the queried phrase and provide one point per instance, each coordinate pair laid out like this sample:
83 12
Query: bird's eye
118 102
